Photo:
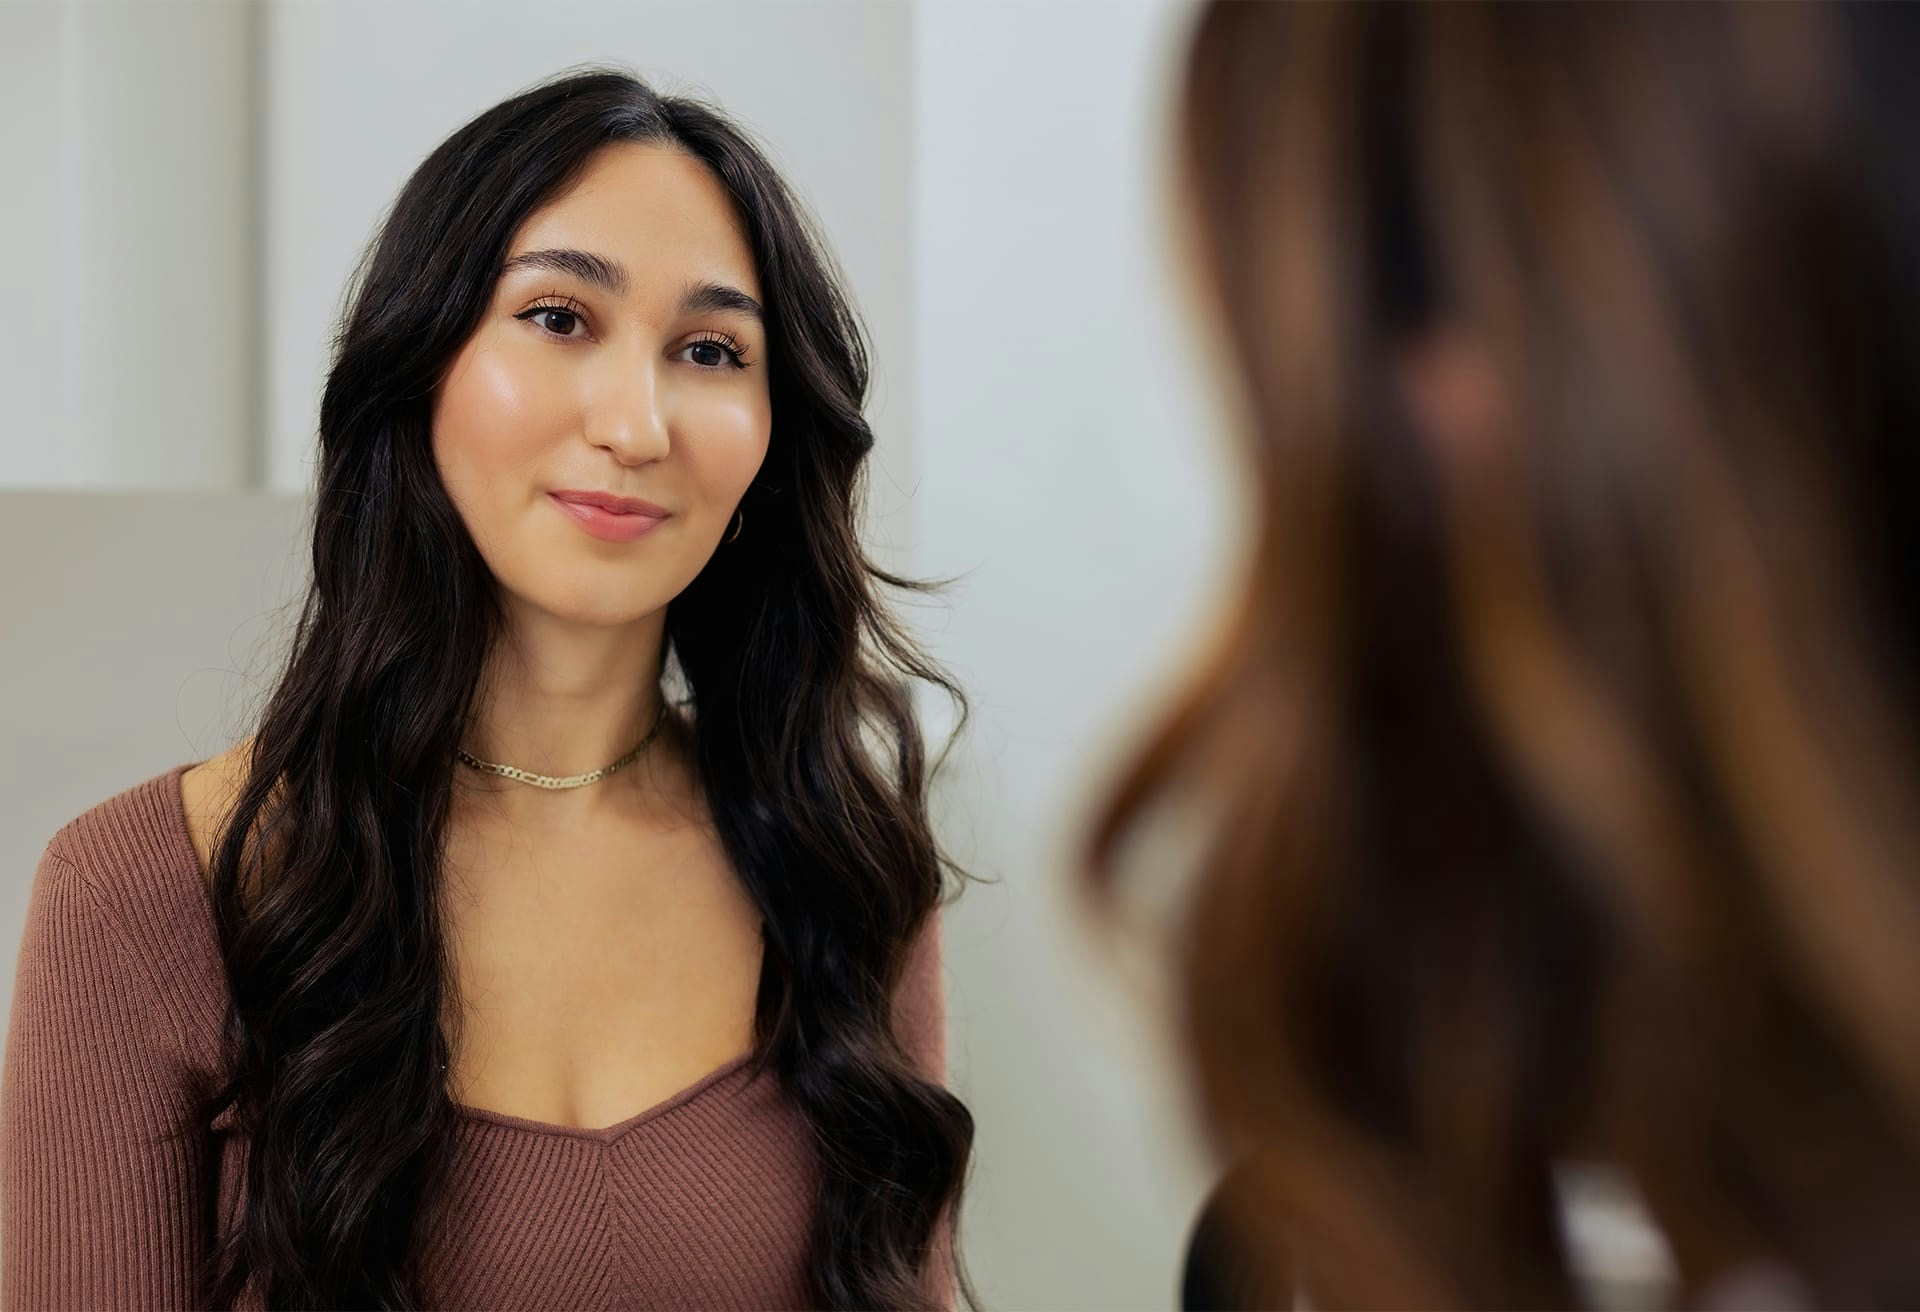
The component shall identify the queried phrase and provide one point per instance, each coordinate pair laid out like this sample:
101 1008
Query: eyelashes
565 306
567 309
736 353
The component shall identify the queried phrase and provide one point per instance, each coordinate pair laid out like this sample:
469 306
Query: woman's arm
920 1004
97 1208
920 1020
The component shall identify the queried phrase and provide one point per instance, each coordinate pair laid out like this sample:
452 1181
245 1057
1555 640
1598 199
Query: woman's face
623 352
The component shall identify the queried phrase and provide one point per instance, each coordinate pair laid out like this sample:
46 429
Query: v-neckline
606 1133
183 835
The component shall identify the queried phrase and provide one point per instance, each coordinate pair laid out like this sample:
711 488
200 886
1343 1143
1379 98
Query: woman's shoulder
139 842
120 883
127 828
117 1017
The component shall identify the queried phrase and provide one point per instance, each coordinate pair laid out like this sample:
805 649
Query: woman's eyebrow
699 296
608 275
611 276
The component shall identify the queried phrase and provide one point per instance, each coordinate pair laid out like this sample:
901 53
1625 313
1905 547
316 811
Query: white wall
1070 460
126 329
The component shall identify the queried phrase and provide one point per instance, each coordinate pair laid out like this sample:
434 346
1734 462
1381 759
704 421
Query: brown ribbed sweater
702 1200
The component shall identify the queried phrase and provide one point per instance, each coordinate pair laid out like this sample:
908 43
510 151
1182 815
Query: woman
359 1014
1557 765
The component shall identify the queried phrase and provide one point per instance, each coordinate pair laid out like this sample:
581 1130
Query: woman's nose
626 414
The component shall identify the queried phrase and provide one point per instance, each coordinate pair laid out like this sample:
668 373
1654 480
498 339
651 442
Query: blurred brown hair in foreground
1557 765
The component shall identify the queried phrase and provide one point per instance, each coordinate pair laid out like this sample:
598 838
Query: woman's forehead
646 218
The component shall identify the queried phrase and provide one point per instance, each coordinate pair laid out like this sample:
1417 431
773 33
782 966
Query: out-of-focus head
1559 759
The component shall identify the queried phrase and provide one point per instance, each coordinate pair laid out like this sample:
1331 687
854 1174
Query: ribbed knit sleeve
920 1019
97 1209
920 1004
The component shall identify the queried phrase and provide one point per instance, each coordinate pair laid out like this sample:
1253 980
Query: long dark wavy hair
326 878
1557 771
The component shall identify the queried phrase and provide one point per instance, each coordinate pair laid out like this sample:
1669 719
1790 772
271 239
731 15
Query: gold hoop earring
739 522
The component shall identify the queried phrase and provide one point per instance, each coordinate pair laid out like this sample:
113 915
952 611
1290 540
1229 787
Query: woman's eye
712 353
708 352
566 318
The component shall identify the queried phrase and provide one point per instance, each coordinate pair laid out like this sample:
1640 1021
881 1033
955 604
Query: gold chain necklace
572 780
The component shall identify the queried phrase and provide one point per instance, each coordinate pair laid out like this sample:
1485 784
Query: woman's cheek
731 443
490 427
514 403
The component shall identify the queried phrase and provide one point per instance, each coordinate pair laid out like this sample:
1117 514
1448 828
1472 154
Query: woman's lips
607 525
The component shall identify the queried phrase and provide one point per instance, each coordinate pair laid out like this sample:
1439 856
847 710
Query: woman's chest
593 975
705 1203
